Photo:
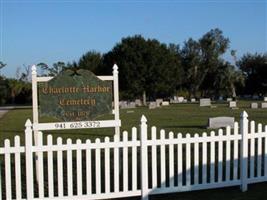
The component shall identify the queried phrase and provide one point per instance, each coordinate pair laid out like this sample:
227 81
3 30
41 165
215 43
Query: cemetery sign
75 96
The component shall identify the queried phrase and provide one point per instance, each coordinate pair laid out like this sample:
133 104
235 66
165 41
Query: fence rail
151 162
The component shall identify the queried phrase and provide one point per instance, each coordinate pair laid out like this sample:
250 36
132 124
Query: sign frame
116 123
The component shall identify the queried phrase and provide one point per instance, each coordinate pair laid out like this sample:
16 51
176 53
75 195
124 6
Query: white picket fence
139 166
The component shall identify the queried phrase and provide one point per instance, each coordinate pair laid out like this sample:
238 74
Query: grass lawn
184 118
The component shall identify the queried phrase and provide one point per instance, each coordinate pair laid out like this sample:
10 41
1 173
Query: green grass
184 118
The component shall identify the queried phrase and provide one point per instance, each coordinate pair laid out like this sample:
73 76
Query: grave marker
205 102
264 105
254 105
220 122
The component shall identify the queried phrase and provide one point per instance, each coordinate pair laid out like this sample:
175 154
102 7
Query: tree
254 66
227 79
91 61
52 71
201 59
146 67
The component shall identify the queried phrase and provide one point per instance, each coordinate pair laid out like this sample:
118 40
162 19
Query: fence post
116 98
29 159
144 162
244 150
35 113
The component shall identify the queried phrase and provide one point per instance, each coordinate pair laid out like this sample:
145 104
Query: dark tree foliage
146 66
254 66
201 60
91 61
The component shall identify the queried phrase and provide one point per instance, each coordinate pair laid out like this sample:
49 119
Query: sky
34 31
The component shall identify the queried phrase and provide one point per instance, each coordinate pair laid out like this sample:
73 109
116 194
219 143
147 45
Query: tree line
150 69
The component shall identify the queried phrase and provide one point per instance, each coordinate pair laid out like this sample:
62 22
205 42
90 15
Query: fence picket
125 162
116 164
69 168
79 169
180 160
259 156
59 168
50 167
235 173
88 168
134 160
171 162
252 150
17 168
228 154
220 156
107 166
204 160
154 157
212 158
98 167
162 160
8 171
196 160
188 161
40 165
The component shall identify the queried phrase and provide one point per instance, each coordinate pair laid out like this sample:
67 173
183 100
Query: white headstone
205 102
165 103
254 105
180 99
131 105
159 102
152 105
193 100
138 102
265 99
220 122
232 104
229 99
264 105
123 104
185 101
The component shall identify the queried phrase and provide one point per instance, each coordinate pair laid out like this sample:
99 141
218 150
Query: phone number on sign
92 124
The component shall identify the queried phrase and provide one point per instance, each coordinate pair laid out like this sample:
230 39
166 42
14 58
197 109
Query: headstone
129 111
175 98
220 122
185 101
159 102
193 100
138 102
152 105
265 99
264 105
123 104
131 105
254 105
180 99
165 103
205 102
229 99
232 104
220 98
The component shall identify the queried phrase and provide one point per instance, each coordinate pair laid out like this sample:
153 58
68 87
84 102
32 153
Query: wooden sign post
76 99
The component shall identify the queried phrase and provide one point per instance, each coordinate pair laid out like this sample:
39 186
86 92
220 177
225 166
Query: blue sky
50 31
